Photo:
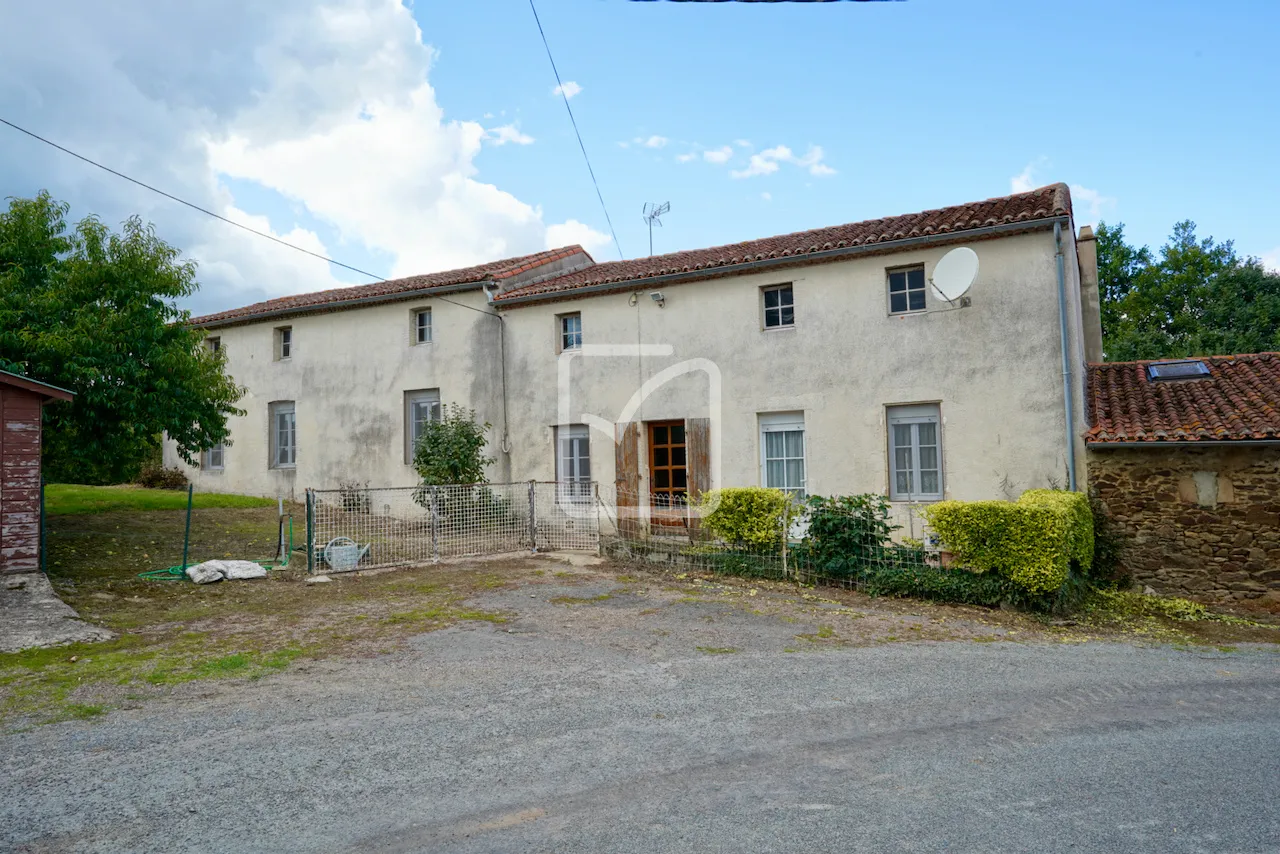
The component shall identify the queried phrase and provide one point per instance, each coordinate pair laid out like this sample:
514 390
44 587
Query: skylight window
1187 369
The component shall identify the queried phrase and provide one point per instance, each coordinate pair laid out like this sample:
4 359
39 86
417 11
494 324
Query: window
422 326
573 464
782 452
213 458
915 453
570 332
906 290
1184 369
284 343
419 407
214 344
284 435
779 307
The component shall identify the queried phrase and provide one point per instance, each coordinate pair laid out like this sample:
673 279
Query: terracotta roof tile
1046 202
491 271
1239 400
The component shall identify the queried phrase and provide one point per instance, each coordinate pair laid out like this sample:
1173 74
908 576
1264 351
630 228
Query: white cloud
571 231
1022 182
654 141
1025 181
314 122
768 197
718 156
687 158
508 133
568 89
742 143
1271 260
767 162
1094 204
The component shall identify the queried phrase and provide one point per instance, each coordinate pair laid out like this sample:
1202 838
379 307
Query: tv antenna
652 213
954 274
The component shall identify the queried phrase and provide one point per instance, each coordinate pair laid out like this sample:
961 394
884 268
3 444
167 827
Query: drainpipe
1066 360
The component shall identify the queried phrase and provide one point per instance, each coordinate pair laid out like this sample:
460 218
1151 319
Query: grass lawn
61 499
176 632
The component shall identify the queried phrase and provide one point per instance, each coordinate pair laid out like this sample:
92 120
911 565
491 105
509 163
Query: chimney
1090 310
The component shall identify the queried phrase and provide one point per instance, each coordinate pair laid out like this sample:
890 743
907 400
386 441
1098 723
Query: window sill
422 343
790 328
293 467
915 313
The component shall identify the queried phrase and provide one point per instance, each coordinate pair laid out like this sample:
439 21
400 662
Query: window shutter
697 432
627 479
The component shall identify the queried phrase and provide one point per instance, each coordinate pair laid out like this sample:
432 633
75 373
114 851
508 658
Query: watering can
343 554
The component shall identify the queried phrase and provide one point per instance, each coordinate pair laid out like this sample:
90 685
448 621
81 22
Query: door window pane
782 444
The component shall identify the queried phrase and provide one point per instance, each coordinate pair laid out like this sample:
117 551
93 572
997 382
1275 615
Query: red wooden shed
21 400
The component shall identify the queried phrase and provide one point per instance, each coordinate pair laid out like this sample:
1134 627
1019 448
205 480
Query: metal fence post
533 518
434 506
311 544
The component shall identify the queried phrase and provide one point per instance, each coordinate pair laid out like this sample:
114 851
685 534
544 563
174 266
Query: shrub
159 477
355 496
1108 542
847 528
1033 542
451 450
751 517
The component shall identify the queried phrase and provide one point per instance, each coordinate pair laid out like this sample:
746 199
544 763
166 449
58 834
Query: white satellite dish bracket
953 275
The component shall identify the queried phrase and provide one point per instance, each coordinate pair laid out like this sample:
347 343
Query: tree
451 450
1199 298
94 311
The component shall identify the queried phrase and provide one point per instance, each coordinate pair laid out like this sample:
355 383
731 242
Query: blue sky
402 148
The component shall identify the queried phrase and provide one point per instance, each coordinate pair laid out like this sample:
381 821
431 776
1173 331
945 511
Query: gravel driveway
615 724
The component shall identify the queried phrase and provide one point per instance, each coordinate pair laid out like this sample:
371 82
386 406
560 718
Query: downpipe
1066 360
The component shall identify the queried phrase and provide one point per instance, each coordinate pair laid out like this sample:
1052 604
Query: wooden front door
668 472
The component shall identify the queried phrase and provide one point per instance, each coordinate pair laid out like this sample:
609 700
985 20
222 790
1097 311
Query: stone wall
1198 522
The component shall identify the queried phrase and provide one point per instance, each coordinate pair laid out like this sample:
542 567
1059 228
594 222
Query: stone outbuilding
21 403
1186 457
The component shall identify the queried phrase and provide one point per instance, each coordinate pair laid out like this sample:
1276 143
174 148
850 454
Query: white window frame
573 464
905 272
568 339
912 416
787 287
429 397
784 422
207 459
284 343
283 455
419 328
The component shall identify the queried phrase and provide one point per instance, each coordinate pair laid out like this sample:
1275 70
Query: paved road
601 728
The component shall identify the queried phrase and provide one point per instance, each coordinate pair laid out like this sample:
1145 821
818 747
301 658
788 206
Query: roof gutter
1182 443
341 304
790 260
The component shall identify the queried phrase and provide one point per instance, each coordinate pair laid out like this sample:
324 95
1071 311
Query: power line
574 122
208 212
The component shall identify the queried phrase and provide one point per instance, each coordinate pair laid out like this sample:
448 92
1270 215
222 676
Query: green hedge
753 517
1032 541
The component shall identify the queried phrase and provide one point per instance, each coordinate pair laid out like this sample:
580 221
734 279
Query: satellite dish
955 273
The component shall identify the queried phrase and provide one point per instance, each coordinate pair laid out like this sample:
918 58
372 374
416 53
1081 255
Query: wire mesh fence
853 542
362 527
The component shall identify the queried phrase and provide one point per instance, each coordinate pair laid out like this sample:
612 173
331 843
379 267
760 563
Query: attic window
1184 370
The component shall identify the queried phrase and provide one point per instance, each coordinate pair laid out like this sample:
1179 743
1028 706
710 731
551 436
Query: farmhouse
821 361
21 404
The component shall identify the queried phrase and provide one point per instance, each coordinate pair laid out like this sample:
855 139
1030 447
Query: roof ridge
474 274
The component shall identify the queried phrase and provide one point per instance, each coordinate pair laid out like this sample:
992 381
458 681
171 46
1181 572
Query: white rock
319 579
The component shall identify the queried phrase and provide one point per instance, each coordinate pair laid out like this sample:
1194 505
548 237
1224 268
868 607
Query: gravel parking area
625 714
